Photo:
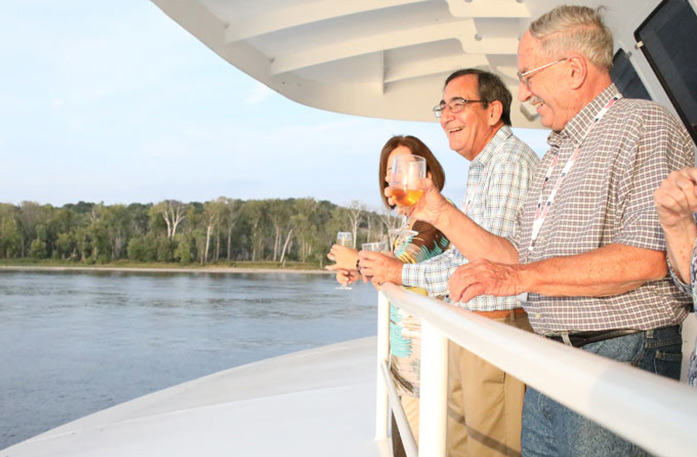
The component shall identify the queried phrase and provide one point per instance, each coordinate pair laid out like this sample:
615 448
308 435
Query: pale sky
111 101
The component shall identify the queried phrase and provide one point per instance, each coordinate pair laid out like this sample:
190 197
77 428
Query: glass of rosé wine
407 171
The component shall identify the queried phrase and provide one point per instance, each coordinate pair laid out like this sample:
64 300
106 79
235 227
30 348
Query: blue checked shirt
499 177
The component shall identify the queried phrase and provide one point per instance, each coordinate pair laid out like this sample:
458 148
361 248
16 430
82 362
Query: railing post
381 398
434 386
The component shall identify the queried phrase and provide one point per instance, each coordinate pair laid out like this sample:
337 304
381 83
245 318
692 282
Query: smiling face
471 129
547 89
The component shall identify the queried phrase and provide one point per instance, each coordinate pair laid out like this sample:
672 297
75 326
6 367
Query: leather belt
580 339
500 314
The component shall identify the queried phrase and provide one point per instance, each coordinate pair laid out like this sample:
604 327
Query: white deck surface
317 402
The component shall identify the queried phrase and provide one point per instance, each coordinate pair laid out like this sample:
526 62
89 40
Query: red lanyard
542 211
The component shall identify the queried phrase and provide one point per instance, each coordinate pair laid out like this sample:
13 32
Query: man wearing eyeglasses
484 403
588 247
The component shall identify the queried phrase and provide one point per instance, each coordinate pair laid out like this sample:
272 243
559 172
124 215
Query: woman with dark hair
405 329
407 144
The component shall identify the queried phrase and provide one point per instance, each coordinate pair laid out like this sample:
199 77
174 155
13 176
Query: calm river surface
72 343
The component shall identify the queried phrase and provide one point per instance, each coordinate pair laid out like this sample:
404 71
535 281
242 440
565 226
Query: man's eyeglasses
525 78
455 105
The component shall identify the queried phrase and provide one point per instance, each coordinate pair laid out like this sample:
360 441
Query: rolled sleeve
433 274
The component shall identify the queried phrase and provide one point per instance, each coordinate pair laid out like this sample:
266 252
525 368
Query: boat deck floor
316 402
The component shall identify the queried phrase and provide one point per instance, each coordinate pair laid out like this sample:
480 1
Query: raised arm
471 240
676 201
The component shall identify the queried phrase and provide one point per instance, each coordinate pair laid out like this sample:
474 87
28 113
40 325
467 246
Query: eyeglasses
525 79
455 105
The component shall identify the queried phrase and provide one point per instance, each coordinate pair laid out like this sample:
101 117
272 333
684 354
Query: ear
578 68
495 112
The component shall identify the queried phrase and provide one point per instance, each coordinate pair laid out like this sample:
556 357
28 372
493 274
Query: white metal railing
657 413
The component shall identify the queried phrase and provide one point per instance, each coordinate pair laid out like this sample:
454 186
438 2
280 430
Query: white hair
574 29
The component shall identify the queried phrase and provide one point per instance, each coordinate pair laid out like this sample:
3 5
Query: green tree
140 217
184 252
165 249
212 213
229 219
172 212
10 236
66 245
28 216
142 248
37 249
119 226
98 233
256 213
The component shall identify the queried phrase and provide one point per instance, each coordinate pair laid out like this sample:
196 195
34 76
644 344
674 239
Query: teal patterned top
405 329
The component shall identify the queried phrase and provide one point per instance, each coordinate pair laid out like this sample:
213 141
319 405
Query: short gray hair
574 29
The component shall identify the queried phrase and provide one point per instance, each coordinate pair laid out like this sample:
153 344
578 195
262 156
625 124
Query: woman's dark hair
418 148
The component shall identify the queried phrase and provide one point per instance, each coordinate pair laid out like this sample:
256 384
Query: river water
72 343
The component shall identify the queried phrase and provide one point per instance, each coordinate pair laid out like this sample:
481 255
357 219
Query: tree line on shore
221 230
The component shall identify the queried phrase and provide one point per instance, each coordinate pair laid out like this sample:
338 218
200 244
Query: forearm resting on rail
611 270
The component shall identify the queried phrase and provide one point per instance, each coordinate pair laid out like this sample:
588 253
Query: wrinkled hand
483 277
344 257
346 277
379 268
430 205
676 198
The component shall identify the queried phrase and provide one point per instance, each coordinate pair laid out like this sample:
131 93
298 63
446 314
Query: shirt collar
487 153
576 128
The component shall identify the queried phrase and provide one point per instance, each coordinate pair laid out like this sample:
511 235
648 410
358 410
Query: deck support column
434 391
383 352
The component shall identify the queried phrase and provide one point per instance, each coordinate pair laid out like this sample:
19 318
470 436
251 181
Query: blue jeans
552 430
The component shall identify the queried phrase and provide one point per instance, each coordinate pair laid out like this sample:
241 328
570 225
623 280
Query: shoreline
160 270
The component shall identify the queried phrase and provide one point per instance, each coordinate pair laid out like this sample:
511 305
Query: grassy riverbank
219 267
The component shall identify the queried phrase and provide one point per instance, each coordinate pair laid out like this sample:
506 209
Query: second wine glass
344 239
407 171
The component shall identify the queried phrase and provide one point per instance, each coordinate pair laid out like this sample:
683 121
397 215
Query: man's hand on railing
379 268
483 277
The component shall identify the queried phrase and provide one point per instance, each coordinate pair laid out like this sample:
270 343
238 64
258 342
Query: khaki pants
485 404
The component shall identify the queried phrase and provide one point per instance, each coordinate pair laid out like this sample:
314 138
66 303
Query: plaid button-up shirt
607 198
498 181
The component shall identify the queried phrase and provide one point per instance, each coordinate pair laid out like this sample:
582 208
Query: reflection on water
72 343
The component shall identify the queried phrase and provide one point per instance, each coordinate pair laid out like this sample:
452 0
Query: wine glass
407 171
344 239
377 246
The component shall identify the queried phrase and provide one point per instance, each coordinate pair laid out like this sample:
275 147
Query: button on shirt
607 198
498 181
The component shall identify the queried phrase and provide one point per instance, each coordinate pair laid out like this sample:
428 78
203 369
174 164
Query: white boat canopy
376 58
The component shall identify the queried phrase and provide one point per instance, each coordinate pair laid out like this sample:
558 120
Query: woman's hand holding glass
343 240
346 277
343 256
